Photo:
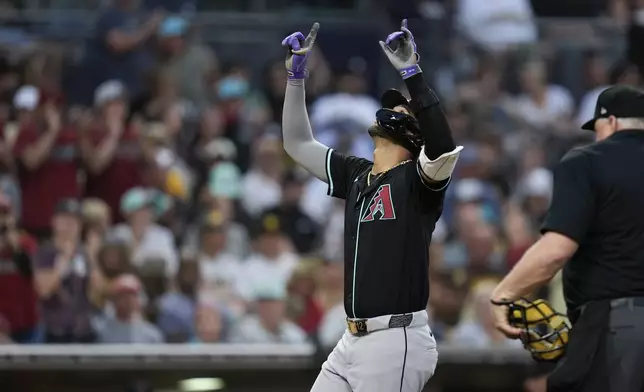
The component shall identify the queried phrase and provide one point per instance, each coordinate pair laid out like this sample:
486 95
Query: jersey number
381 206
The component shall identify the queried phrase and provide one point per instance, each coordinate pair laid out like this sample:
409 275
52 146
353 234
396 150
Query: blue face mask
232 87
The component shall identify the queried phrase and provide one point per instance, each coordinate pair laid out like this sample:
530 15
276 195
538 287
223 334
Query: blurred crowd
145 196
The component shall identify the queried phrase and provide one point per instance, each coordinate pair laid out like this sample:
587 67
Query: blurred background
153 231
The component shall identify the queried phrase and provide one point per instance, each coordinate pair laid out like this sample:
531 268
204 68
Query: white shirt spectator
250 330
497 24
332 326
257 270
558 103
315 201
157 243
222 274
333 242
259 192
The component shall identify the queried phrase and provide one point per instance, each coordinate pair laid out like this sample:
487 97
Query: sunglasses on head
395 121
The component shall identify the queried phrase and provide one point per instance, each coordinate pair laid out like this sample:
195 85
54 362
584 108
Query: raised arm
298 136
439 155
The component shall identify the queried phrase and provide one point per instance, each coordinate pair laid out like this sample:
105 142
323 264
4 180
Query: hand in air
299 48
405 57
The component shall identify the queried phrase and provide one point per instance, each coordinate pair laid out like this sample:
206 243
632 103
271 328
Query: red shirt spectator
47 169
18 302
113 155
121 174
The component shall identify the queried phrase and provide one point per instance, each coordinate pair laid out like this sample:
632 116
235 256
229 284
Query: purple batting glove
405 58
299 49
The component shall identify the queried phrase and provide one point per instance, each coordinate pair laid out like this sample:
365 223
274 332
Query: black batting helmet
401 128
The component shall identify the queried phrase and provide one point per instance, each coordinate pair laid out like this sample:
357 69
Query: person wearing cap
221 272
191 65
272 258
118 48
127 324
110 146
148 239
594 232
269 324
303 231
61 275
47 158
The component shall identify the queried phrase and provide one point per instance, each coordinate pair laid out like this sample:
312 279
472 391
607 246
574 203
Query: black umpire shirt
598 202
388 227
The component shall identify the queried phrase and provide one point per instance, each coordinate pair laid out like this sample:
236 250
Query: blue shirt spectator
118 47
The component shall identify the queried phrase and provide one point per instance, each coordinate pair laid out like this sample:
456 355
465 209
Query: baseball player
392 205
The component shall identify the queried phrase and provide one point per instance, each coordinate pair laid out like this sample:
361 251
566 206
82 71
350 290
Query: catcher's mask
545 331
401 128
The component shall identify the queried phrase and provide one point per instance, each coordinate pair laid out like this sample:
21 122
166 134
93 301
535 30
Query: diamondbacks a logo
381 206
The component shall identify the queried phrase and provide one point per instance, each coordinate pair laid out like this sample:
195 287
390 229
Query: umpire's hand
500 311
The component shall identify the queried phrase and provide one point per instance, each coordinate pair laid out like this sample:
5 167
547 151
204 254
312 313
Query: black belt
627 302
358 327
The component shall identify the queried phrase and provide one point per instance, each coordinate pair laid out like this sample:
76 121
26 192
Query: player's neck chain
383 172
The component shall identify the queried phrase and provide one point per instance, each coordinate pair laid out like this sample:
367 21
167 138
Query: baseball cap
214 220
173 26
619 101
26 98
224 180
392 98
69 206
268 223
269 291
135 199
109 91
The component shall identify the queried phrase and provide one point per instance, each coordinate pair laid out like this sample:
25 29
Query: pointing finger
403 25
314 31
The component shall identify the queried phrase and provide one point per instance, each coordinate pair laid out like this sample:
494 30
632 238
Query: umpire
595 232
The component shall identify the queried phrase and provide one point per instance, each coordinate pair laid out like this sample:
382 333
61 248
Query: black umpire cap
618 101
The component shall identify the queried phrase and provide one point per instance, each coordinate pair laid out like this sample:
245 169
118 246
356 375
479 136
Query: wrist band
410 71
297 75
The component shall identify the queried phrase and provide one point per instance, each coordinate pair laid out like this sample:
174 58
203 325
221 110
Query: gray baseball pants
387 359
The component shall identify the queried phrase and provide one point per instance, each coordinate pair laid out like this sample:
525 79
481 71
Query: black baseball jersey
598 201
387 230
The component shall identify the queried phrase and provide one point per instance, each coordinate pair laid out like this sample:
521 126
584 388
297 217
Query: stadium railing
242 368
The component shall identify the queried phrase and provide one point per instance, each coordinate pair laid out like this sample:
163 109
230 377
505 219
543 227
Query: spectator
177 308
118 48
18 301
127 325
596 80
147 239
96 222
265 174
476 327
272 260
303 307
47 157
112 260
298 226
210 324
61 272
193 67
542 105
221 272
270 325
331 299
499 25
111 150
